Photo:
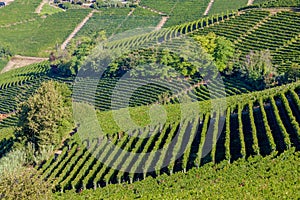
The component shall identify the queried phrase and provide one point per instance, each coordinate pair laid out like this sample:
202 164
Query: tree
218 48
45 117
293 73
5 52
258 69
223 52
68 62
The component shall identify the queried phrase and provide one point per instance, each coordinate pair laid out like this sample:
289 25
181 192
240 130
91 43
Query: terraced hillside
189 10
262 123
261 30
230 180
227 123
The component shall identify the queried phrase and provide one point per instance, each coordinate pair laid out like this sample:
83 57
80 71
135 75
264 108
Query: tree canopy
45 117
219 48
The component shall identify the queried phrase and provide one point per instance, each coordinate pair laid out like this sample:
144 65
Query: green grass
6 133
270 177
115 20
2 64
49 10
17 11
38 37
220 6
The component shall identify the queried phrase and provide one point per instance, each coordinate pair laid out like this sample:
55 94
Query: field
41 34
241 176
162 136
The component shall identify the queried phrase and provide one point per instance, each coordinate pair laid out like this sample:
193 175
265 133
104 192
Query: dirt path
250 2
208 7
152 10
40 7
66 42
161 23
21 61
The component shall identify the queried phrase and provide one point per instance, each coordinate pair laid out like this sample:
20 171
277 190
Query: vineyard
217 133
190 10
255 30
114 21
41 34
265 122
208 181
18 12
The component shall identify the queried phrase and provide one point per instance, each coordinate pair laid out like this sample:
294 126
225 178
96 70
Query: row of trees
115 3
68 62
213 54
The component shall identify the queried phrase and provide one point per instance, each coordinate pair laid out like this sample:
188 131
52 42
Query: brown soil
21 61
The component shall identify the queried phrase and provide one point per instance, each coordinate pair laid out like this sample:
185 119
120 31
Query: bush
65 5
24 184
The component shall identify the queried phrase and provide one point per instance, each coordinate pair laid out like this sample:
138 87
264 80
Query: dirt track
40 7
21 61
66 42
161 23
208 7
250 2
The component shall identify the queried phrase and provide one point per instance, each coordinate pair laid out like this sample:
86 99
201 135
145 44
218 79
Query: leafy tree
208 42
258 69
163 63
219 49
68 62
5 52
223 53
293 73
45 117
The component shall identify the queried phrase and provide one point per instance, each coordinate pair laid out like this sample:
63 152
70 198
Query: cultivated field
195 99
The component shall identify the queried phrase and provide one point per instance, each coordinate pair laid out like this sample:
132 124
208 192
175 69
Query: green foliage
293 73
219 48
179 11
6 133
38 36
258 69
45 116
5 52
220 6
24 184
163 63
65 5
18 10
280 3
12 162
114 4
49 10
256 178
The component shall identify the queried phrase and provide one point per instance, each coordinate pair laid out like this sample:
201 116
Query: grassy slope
258 178
26 33
19 10
49 10
220 6
2 64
